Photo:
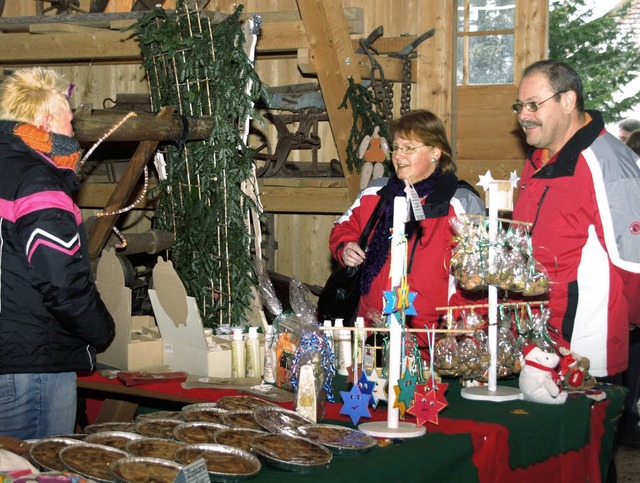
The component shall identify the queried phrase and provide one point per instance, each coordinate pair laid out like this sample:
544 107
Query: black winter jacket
52 318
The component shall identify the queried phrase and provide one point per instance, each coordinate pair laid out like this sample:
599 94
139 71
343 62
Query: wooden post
101 228
332 51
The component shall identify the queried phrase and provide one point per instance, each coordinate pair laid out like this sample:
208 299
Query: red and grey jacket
584 206
52 318
429 273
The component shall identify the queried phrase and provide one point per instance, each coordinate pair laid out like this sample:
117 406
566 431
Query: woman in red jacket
424 168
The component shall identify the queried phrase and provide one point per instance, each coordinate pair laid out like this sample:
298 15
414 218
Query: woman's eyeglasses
406 150
531 106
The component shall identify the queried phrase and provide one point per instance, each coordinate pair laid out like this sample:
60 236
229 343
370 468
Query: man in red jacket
580 189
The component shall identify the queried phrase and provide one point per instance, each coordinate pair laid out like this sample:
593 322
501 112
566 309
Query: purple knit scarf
379 243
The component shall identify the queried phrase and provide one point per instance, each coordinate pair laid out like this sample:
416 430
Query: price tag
195 472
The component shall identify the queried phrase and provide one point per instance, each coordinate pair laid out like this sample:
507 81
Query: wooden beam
100 38
333 54
392 67
278 195
101 228
16 48
90 125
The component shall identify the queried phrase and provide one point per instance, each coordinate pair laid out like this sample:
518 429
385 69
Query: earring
433 160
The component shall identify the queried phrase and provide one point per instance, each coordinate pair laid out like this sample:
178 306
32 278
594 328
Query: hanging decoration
202 69
355 404
366 119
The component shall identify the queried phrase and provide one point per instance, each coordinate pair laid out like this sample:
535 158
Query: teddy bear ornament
539 381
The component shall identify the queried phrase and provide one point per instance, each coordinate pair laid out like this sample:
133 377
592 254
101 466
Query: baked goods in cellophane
506 261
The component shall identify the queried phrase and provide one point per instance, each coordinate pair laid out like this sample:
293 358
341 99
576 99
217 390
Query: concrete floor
628 465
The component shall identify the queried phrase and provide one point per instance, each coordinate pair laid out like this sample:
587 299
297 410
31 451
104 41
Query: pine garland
366 116
203 70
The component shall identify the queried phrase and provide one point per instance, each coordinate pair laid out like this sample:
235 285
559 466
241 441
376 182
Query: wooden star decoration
438 387
352 374
355 404
380 390
485 180
407 386
426 407
366 386
402 407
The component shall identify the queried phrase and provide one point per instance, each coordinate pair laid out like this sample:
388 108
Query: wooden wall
483 129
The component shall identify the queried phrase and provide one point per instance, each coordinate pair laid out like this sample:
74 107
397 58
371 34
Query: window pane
460 15
491 15
460 61
491 59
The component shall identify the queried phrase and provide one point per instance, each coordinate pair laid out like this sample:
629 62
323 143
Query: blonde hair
28 94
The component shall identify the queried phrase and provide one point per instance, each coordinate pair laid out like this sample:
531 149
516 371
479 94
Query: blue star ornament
355 404
366 385
390 302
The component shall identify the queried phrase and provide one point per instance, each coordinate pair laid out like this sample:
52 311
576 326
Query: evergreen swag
366 116
203 70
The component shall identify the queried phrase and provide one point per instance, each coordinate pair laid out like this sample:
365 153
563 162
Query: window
485 33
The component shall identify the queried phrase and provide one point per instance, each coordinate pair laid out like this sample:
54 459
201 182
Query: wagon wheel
58 7
263 157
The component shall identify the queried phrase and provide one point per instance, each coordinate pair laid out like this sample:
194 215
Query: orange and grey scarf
63 151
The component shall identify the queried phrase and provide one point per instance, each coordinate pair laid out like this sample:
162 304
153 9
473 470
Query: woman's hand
352 255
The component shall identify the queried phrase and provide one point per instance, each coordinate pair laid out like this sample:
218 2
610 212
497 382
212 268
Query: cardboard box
137 345
178 318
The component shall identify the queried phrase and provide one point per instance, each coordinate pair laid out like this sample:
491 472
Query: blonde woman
52 319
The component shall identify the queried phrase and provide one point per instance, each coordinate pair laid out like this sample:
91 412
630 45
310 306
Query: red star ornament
438 387
426 407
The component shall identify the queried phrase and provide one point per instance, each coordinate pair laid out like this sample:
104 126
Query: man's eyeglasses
531 106
406 150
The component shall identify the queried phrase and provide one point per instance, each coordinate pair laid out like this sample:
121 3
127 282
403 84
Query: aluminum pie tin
114 439
153 447
279 420
203 414
292 453
44 452
339 439
197 432
236 437
114 426
243 403
135 469
159 415
91 460
157 428
240 419
224 463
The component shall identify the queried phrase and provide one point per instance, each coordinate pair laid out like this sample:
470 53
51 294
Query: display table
474 440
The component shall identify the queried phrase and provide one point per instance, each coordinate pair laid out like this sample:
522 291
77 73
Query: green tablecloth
486 441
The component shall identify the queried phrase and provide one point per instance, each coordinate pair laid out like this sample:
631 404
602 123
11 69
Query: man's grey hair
629 125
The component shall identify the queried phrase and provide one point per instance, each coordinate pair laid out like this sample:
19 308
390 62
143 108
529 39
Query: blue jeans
37 405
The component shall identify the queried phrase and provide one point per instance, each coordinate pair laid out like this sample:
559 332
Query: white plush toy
539 381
